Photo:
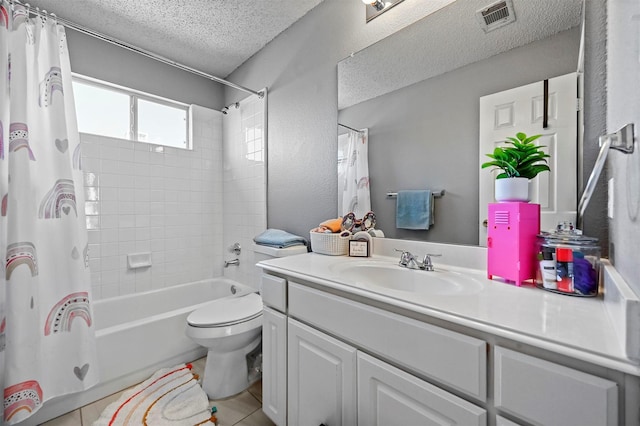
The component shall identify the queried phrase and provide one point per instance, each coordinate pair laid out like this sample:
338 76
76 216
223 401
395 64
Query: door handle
485 223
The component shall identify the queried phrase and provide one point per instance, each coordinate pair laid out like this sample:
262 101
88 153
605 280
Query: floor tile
70 419
91 413
256 390
232 410
257 418
198 366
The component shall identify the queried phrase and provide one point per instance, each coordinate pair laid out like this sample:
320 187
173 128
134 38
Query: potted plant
519 161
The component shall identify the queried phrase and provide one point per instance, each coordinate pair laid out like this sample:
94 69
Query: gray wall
595 88
623 106
98 59
300 69
426 135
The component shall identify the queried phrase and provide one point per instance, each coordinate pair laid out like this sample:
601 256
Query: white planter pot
512 189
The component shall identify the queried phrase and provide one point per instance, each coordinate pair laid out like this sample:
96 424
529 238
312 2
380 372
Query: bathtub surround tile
93 222
170 201
109 289
242 152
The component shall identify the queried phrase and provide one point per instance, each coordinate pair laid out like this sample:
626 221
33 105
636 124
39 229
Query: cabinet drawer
387 395
450 358
541 392
274 292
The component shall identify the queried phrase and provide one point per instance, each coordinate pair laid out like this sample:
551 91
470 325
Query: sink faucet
408 260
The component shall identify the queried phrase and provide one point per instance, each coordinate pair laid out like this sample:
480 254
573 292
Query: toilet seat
227 311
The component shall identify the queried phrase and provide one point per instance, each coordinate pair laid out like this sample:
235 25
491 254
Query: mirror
417 93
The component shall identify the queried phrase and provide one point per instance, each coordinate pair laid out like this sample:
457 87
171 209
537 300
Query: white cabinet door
389 396
543 393
322 378
274 366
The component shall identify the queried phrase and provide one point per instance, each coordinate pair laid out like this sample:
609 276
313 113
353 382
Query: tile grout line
247 416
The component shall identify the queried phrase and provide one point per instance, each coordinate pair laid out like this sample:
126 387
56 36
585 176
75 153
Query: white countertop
579 327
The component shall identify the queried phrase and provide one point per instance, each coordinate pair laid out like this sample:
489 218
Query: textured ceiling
445 40
213 36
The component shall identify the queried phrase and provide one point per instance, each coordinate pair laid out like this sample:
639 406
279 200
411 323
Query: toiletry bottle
564 269
548 268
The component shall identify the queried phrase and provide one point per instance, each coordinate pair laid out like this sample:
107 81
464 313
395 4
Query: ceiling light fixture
377 4
376 7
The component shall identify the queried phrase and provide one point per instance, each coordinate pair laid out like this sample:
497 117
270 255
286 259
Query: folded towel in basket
279 238
414 209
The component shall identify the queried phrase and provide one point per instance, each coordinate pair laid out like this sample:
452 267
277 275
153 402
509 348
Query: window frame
134 96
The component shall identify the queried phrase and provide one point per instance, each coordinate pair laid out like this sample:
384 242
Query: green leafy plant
519 158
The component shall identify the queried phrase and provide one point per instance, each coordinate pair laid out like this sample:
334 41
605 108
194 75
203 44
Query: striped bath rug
172 396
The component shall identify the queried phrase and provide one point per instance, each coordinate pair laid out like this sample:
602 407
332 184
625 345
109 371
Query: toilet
231 328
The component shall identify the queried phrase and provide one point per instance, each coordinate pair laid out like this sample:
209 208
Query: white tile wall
245 204
142 197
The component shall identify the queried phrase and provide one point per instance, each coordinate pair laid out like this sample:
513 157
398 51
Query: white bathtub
140 333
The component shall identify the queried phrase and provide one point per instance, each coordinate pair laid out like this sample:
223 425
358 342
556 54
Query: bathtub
140 333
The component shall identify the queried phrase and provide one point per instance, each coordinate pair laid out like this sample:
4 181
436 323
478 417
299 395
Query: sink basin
385 276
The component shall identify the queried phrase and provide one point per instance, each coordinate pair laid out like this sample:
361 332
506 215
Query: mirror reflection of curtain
353 172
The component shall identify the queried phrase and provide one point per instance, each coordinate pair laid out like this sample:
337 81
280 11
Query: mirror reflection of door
521 109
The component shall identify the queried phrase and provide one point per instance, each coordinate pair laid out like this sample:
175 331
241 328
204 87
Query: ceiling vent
496 15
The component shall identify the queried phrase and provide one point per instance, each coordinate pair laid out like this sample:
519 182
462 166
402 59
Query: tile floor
244 409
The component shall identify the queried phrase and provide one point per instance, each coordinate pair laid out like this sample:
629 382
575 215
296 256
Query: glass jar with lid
568 262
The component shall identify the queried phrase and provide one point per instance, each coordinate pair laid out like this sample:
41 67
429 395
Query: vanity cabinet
346 362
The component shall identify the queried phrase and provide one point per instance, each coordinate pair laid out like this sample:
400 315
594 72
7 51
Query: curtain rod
143 52
350 128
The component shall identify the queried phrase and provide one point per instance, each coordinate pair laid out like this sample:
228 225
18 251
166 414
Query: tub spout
231 262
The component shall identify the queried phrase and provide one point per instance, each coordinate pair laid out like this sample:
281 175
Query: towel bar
436 194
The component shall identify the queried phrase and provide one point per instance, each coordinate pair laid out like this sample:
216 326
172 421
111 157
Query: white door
521 109
388 396
274 366
322 379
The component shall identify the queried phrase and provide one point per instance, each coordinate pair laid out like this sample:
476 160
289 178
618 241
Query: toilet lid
227 311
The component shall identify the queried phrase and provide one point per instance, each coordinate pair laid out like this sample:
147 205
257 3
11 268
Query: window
108 110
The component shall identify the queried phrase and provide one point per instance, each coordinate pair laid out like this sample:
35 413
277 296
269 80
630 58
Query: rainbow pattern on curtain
45 288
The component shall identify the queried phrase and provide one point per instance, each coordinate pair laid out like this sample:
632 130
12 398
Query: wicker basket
331 244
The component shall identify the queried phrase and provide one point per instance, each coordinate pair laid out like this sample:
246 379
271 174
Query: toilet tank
261 253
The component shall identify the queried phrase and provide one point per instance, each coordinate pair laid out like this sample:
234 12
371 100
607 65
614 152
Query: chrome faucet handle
235 249
426 262
405 257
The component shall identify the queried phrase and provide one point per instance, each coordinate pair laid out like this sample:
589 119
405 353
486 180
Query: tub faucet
231 262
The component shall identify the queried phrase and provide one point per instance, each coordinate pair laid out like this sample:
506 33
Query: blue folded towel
414 209
279 239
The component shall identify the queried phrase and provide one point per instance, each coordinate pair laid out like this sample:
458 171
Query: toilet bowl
230 328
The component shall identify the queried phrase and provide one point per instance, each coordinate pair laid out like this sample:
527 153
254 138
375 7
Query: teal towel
279 239
414 209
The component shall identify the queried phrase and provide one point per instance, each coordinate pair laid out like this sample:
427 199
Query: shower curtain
47 343
355 195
